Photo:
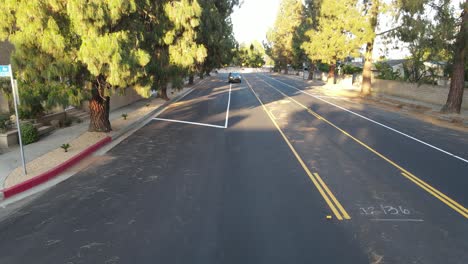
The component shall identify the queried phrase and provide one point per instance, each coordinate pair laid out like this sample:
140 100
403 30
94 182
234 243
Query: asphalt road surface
263 171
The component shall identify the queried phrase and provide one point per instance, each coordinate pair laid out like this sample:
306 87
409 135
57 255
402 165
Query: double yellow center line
323 189
424 185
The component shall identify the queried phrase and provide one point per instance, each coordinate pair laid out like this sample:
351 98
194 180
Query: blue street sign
4 71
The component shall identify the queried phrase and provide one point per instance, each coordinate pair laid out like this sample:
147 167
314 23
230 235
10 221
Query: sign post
6 71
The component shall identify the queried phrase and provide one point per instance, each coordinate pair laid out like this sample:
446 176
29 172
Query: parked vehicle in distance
234 77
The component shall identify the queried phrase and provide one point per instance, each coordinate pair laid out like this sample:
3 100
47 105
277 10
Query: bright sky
253 19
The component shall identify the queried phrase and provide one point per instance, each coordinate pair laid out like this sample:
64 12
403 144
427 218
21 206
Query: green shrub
5 123
30 110
177 82
323 67
29 133
386 71
24 113
350 69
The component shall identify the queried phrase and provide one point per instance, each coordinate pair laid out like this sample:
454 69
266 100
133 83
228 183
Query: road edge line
187 122
228 106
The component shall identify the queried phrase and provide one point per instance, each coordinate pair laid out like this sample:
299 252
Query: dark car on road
234 77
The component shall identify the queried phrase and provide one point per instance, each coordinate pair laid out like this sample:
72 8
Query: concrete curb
52 173
43 177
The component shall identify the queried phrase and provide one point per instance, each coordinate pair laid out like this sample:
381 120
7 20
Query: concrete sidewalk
12 159
47 149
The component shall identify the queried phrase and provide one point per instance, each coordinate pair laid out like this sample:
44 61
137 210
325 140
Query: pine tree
110 51
68 51
281 36
341 31
251 55
311 12
441 37
216 33
178 51
372 9
67 45
457 84
44 53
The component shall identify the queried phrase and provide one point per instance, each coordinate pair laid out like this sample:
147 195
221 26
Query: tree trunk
107 103
331 73
457 83
284 64
367 70
99 112
190 79
163 92
311 72
366 86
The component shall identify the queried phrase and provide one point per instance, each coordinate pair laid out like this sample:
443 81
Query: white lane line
375 122
229 104
203 124
396 220
331 97
187 122
179 99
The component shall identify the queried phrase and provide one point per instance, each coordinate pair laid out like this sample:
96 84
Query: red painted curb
41 178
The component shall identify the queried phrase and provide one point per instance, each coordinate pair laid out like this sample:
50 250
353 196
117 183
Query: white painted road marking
229 104
187 122
397 220
375 122
204 124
